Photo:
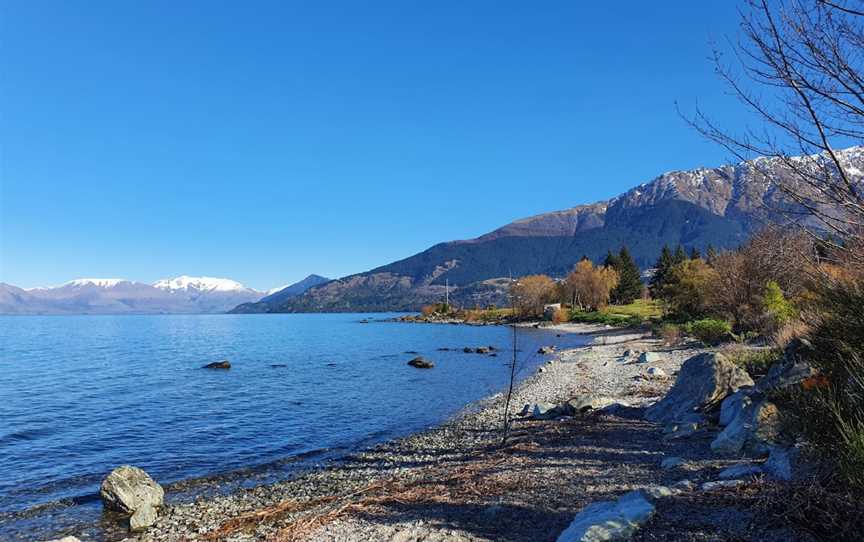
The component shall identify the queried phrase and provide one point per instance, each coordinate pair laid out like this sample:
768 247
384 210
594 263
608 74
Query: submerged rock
128 489
609 520
421 363
224 364
703 382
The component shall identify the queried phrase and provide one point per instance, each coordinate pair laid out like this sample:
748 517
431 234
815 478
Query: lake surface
80 395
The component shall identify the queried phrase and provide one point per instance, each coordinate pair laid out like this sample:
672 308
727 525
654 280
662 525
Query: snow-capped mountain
184 295
200 284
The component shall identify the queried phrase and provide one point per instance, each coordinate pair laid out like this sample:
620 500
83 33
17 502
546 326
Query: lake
80 395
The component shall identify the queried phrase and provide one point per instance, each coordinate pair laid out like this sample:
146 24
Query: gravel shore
458 482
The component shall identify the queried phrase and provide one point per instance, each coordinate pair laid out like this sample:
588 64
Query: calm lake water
80 395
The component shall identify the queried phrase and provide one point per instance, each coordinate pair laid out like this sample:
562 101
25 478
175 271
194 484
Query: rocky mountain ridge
718 206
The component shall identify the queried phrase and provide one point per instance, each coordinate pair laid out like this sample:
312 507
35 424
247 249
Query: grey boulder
732 406
703 382
754 430
128 489
609 520
649 357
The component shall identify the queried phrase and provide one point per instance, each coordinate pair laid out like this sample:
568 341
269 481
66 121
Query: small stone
722 484
142 518
744 470
671 463
656 372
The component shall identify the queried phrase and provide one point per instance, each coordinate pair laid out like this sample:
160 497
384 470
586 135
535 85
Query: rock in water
224 364
703 382
609 520
421 363
142 518
128 489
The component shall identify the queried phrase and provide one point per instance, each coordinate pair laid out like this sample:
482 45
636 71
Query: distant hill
119 296
719 206
280 296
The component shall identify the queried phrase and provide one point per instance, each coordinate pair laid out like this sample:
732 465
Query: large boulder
790 371
754 430
703 382
609 520
733 405
128 489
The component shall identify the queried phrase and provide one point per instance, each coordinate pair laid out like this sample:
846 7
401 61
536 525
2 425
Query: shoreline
455 481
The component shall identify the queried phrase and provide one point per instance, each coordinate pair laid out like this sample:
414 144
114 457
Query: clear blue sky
263 141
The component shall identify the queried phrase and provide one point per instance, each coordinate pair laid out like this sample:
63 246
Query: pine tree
710 255
611 260
680 255
662 267
629 287
694 253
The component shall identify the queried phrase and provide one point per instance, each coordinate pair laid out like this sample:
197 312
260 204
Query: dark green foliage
662 267
756 361
695 254
629 286
597 317
710 331
679 255
611 260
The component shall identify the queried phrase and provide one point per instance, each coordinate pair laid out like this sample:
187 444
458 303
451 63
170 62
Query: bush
598 317
561 316
831 409
710 331
671 334
756 361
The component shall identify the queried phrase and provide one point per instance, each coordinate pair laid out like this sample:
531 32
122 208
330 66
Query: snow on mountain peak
201 284
102 283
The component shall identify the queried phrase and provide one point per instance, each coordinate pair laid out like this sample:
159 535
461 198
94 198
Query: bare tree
798 69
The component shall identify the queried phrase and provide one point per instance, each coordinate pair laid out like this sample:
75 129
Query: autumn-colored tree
589 287
531 293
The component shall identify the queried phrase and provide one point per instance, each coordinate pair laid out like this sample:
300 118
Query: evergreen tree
694 253
710 255
680 255
611 260
662 267
629 287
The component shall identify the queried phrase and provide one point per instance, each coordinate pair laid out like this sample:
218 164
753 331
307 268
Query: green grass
645 309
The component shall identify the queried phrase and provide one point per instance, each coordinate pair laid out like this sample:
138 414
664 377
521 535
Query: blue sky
264 141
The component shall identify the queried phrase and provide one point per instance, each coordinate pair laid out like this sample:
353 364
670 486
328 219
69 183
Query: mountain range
720 207
180 295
